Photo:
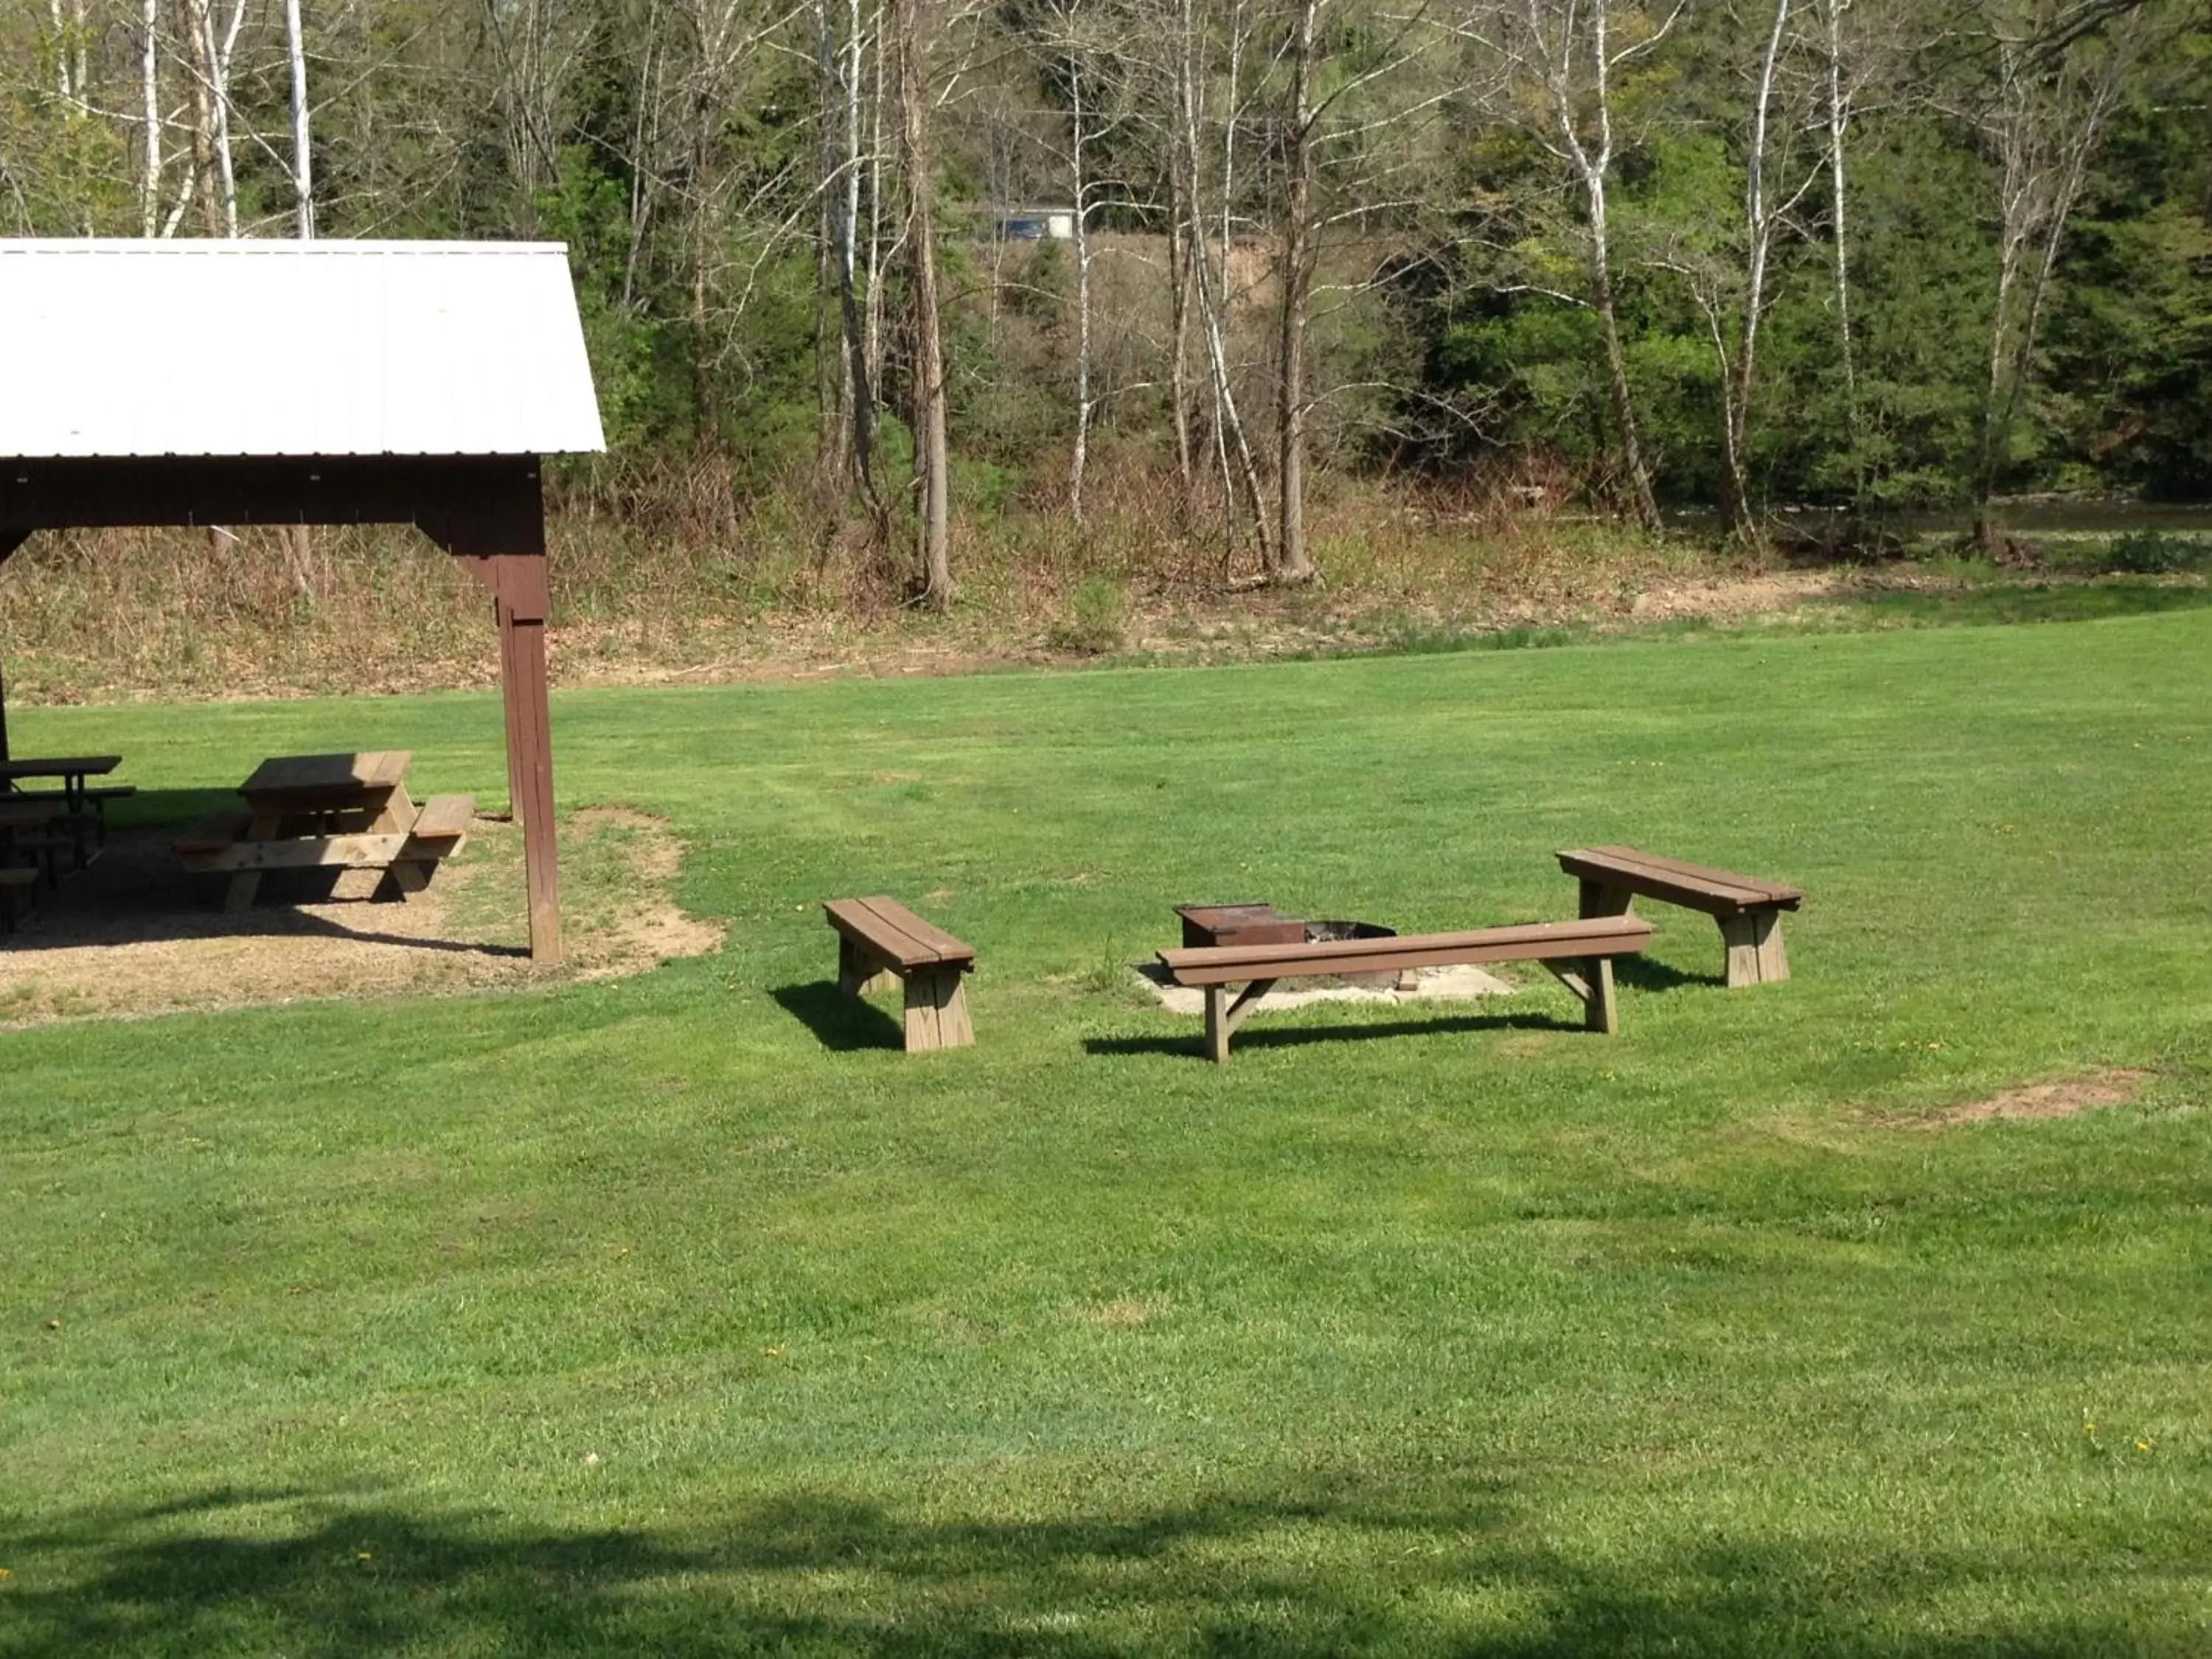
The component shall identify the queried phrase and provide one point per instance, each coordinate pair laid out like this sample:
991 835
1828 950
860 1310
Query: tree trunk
1293 563
150 63
932 464
1079 455
303 167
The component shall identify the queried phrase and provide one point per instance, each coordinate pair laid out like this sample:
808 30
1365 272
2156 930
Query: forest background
887 299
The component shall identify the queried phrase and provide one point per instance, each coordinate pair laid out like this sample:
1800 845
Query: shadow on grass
135 892
1647 974
1277 1036
1448 1567
842 1024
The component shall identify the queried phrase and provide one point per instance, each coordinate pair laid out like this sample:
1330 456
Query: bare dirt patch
2063 1099
134 935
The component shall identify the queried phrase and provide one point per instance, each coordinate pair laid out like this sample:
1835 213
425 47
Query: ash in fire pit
1263 924
1319 933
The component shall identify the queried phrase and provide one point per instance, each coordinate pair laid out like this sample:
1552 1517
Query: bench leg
1600 1008
858 972
1590 978
1756 955
246 883
1225 1014
937 1010
1601 899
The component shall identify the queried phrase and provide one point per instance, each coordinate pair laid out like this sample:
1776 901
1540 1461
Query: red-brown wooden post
517 582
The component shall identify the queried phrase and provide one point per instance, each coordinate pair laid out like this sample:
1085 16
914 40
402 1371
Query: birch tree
2058 72
1575 51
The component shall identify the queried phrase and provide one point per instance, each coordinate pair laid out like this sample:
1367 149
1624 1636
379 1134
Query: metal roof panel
269 348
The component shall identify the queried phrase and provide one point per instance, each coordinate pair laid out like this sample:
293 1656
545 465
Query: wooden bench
78 798
1748 910
220 842
879 939
1579 954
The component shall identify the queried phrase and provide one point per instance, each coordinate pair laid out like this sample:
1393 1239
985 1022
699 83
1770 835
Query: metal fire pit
1238 924
1320 932
1262 924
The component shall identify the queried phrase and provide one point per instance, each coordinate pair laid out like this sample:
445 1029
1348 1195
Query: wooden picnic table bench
84 804
879 939
1748 910
1579 954
348 811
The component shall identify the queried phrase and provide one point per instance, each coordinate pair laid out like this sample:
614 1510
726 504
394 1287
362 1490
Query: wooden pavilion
311 383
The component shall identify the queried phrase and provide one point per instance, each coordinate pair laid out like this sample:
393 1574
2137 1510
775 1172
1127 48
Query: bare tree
932 457
1574 49
303 154
2059 70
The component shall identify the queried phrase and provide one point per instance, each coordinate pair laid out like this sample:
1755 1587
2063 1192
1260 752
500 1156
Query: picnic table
81 802
73 770
341 811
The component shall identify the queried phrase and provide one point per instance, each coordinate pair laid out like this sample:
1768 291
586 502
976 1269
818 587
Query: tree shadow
1314 1564
1293 1036
842 1024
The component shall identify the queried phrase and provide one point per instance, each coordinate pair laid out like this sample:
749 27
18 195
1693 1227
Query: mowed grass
684 1315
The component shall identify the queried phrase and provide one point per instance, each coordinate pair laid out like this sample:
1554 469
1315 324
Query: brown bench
879 939
1749 911
1579 954
76 800
221 842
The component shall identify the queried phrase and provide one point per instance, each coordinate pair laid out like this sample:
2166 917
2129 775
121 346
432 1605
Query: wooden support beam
1756 955
1223 1015
517 582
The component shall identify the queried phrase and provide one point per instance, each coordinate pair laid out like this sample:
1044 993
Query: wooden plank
214 832
347 776
1649 871
1693 893
62 766
1602 898
937 1010
859 970
529 735
1776 892
1531 941
1755 951
353 852
444 818
880 936
896 932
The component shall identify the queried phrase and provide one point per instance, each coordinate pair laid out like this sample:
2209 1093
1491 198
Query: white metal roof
271 347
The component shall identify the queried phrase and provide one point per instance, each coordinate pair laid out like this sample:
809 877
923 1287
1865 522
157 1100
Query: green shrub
2152 553
1095 620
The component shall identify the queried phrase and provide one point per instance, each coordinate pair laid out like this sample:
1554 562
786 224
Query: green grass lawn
684 1315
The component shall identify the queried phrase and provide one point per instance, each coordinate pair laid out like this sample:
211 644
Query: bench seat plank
1580 953
1697 886
899 935
879 938
1747 909
1223 964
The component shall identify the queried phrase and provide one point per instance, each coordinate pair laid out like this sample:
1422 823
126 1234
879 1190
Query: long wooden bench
1579 954
879 939
76 800
1748 910
219 842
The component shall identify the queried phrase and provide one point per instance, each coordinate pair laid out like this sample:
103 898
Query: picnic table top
64 766
368 776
